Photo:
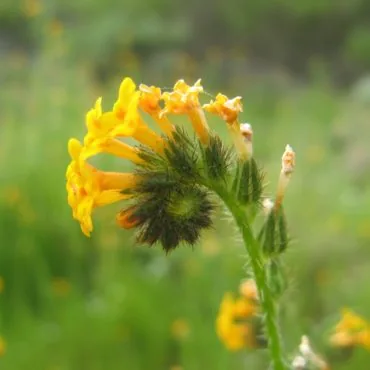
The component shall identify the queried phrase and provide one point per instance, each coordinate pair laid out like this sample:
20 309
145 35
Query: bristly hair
248 182
169 204
273 235
217 158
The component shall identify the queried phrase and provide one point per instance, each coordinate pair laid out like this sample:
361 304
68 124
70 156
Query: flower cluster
351 331
89 187
237 321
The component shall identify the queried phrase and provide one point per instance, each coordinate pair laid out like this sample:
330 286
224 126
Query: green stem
267 301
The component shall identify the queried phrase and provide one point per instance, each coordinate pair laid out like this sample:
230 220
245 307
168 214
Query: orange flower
184 99
227 109
89 188
232 324
352 330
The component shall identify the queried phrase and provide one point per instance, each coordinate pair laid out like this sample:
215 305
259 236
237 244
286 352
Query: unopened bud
287 168
126 218
273 235
247 133
288 160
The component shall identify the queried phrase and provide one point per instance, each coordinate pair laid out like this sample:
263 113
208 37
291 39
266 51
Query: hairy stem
267 301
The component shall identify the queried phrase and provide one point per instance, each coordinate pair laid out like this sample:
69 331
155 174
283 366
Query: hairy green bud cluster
172 203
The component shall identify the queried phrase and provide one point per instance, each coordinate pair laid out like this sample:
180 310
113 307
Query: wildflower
130 117
352 330
167 199
88 187
184 100
100 137
149 103
234 324
228 110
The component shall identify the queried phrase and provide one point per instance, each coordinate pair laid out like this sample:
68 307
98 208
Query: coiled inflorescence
168 195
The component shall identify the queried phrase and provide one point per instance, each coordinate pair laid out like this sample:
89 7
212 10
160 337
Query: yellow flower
227 109
102 130
126 93
351 330
142 133
126 112
89 188
149 103
184 99
232 325
150 98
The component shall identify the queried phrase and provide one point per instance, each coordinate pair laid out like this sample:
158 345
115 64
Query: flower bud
287 168
248 182
247 133
126 218
273 235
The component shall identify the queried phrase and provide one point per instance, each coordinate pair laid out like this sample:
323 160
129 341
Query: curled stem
253 248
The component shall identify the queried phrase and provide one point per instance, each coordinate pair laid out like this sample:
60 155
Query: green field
68 302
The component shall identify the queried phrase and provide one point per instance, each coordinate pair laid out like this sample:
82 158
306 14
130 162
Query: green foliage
70 302
114 34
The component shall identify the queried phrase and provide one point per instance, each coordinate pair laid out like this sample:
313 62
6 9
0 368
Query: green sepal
247 184
273 236
216 158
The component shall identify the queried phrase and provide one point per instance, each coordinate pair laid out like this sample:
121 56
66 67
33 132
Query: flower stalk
168 195
268 304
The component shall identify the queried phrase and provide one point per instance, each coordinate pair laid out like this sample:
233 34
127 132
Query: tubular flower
126 111
185 100
89 188
149 103
352 330
167 193
102 130
234 325
228 110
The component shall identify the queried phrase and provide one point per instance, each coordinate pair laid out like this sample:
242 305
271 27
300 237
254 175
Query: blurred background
68 302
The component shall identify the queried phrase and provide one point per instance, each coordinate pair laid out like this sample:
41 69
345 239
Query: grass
105 303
